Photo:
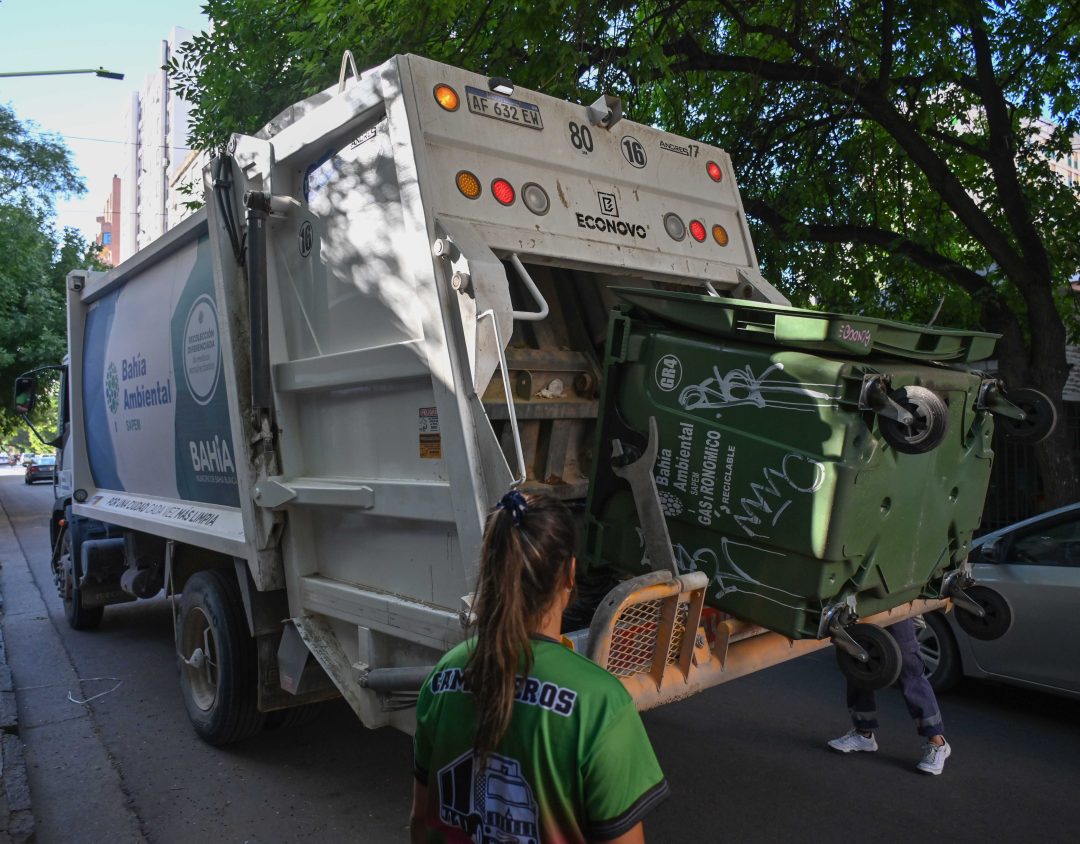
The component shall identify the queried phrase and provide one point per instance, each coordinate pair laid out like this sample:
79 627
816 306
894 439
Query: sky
123 36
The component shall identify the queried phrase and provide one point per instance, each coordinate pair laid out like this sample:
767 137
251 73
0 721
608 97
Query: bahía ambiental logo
112 388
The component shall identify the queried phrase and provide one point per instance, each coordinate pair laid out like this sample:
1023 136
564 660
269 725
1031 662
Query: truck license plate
503 108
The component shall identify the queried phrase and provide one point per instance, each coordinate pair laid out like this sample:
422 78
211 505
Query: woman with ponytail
518 738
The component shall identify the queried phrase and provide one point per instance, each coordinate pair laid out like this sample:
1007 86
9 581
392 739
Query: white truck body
352 505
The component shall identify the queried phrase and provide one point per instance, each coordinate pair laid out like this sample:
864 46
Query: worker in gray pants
921 703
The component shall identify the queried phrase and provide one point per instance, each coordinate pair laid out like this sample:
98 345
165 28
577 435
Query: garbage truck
423 286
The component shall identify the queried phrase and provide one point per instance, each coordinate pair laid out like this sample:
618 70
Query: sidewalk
16 818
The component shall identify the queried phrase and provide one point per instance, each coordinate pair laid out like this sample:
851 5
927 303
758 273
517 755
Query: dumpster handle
530 285
504 370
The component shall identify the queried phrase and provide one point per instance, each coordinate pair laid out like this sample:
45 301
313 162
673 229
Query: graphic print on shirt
495 807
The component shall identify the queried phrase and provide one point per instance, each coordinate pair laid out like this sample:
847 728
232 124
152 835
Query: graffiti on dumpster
769 498
741 387
729 575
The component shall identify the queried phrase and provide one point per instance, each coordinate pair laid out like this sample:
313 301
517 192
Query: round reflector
447 97
535 198
503 191
674 226
697 230
714 171
468 184
719 234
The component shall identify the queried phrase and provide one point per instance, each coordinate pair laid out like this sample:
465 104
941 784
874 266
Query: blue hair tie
515 502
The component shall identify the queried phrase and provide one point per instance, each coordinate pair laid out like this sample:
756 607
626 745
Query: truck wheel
939 653
78 616
882 668
928 428
218 671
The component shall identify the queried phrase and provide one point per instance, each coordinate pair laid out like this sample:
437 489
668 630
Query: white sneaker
934 756
853 742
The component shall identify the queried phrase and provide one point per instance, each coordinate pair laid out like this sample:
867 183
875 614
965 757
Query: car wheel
939 653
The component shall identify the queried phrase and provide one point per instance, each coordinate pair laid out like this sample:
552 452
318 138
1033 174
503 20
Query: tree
34 260
34 167
890 153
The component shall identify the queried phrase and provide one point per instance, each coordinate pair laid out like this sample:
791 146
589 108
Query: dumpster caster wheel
883 659
995 620
926 430
1040 416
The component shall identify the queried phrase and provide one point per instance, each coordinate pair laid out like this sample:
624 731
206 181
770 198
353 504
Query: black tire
220 686
1040 416
940 655
928 428
996 621
79 617
882 669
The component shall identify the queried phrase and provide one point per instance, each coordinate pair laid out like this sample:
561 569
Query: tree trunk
1043 367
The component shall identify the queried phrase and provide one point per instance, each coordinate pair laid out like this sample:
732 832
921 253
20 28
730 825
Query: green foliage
33 263
34 167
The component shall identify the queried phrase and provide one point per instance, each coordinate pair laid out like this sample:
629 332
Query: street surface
746 761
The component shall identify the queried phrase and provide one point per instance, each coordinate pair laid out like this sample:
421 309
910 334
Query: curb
16 815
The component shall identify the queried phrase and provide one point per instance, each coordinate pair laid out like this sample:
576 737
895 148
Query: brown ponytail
524 559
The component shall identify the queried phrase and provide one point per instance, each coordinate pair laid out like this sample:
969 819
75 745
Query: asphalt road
746 761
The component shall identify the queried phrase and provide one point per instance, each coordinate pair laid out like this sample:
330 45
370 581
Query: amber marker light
447 97
714 171
719 234
503 192
697 230
468 184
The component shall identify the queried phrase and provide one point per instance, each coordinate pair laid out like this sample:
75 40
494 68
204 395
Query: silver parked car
1032 572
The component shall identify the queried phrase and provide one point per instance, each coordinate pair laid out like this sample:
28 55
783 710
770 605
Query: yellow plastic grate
633 639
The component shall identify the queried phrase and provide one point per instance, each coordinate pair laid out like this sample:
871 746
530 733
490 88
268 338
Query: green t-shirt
574 766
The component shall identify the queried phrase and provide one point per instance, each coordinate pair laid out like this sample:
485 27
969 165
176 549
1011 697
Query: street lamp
97 71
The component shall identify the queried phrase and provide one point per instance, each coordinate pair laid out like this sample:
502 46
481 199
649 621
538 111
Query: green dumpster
805 460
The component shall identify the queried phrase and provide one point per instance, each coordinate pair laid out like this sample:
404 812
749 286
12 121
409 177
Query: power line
111 141
125 143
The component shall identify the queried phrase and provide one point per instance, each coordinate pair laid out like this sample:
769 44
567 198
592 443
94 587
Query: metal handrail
505 371
530 285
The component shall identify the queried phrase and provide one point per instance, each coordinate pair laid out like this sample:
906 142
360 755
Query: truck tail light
468 184
720 235
535 198
674 226
447 97
714 171
697 230
503 192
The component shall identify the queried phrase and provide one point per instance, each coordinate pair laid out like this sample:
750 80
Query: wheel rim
200 664
65 578
929 649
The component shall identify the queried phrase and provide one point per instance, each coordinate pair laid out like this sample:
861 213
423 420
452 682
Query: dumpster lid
800 328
